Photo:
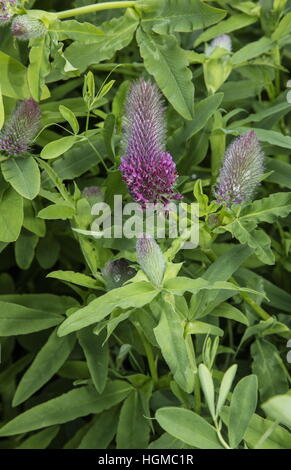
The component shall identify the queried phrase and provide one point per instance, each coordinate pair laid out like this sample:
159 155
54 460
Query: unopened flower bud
223 41
241 172
93 194
116 273
22 126
151 259
25 27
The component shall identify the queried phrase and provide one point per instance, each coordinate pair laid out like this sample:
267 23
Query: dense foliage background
202 361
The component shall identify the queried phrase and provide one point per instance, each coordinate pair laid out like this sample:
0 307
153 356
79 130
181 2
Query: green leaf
25 249
10 204
84 32
168 16
23 174
57 211
76 278
46 363
203 112
133 295
133 428
2 110
18 320
170 336
207 387
226 310
244 398
268 209
168 63
67 407
202 328
69 116
116 34
39 67
279 409
281 171
234 22
97 356
256 239
283 28
188 427
268 367
274 438
251 50
13 79
225 387
166 441
40 440
102 431
58 147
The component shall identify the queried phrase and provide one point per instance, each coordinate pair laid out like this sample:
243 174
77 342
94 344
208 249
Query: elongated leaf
40 440
133 428
18 320
244 398
97 356
207 387
46 363
225 387
74 404
168 63
102 431
252 50
268 367
25 249
39 67
132 295
58 147
234 22
278 438
2 111
170 336
57 211
23 174
268 209
76 278
13 78
168 16
10 203
188 427
226 310
279 408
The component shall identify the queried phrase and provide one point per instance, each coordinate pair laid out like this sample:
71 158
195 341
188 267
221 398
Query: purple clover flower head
241 171
117 272
223 41
151 259
7 10
18 133
148 170
24 28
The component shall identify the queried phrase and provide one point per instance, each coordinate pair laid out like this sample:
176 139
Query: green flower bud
151 259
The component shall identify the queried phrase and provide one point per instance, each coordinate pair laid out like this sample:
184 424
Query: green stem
149 353
219 435
96 7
